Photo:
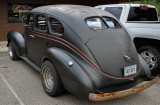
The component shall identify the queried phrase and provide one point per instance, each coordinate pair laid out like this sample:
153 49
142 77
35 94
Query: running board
31 63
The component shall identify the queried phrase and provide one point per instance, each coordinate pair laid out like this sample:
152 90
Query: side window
116 11
41 23
29 21
56 26
111 23
95 24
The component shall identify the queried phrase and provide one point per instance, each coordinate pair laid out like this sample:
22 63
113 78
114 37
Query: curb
3 46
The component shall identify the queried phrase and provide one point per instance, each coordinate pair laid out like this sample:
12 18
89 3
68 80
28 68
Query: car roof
74 16
69 10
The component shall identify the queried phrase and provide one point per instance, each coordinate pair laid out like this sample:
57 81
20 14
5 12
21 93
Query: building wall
5 26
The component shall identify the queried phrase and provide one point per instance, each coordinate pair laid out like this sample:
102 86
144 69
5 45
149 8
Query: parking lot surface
20 84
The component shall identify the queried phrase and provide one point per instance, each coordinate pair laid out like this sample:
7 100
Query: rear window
102 23
142 14
96 24
56 26
116 11
111 23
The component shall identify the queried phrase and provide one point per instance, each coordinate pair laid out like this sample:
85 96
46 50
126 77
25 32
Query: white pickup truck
141 22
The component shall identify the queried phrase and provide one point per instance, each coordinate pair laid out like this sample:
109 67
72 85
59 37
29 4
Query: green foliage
156 3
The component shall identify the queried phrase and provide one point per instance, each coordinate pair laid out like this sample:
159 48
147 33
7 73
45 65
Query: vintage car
80 49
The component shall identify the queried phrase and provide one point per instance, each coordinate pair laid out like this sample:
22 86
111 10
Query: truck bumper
108 96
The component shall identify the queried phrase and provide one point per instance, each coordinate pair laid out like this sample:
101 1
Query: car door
35 43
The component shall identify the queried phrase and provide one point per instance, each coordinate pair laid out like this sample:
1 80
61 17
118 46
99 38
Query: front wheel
152 56
50 80
12 52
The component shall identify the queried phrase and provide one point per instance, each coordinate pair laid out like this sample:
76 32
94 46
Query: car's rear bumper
107 96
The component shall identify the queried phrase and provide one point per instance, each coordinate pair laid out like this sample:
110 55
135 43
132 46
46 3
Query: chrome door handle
32 36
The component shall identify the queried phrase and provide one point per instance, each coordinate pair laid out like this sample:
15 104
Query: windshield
142 14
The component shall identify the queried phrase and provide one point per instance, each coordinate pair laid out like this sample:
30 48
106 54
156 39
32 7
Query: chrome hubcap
150 58
48 78
10 52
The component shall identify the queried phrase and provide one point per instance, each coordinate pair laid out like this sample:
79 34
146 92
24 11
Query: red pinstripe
68 43
68 47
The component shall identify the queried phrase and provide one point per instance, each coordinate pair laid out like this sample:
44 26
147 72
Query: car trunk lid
111 49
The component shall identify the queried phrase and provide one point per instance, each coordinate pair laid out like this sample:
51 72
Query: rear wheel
152 56
50 80
12 52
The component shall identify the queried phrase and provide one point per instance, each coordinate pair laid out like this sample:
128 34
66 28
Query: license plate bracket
130 70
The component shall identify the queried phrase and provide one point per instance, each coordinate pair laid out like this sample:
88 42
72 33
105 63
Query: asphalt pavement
20 84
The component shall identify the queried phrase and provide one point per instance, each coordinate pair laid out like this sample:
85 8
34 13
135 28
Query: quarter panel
82 78
74 78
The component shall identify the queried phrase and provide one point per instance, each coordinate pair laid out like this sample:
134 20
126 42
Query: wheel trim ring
48 78
10 52
152 64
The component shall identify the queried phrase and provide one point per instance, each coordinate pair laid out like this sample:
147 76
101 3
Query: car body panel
100 48
143 30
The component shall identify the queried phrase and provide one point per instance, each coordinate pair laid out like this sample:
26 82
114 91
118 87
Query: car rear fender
73 76
17 41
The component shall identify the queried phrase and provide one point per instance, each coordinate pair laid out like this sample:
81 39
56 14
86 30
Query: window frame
104 22
26 23
50 27
36 20
119 25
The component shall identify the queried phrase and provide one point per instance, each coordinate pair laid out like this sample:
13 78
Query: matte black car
80 49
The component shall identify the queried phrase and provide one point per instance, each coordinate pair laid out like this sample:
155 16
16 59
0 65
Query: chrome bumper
108 96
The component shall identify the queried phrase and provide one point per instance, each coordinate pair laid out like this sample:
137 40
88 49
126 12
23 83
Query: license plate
130 70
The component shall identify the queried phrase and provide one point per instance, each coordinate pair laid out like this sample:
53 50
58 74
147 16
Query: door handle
32 36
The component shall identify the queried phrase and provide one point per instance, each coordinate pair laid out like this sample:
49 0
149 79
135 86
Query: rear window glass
56 26
96 24
116 11
142 14
102 23
41 22
111 23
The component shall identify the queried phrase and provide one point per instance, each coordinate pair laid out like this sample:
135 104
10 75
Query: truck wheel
50 80
12 52
152 56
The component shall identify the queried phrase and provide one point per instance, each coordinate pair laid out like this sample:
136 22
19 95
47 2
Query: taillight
141 5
